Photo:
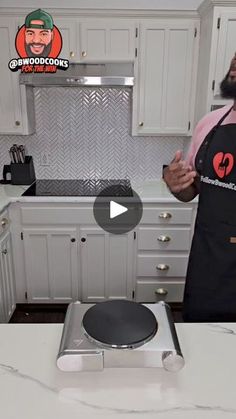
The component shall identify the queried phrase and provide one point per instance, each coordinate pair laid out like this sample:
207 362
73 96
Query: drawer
167 215
162 265
4 222
163 238
39 215
152 291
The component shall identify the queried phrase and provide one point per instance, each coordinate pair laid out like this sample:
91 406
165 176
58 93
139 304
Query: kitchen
53 250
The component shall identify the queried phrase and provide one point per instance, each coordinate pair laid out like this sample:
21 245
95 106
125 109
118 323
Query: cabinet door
106 264
107 40
10 118
165 77
67 27
226 47
51 264
7 285
16 102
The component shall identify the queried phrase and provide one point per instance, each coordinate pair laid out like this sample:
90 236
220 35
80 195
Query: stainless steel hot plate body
78 352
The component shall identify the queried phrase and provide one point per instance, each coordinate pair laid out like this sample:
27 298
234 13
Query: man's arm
182 181
189 193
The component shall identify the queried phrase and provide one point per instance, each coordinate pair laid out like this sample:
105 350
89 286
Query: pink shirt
203 128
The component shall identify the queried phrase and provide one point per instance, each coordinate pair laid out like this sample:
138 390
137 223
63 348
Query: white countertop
31 386
153 191
10 193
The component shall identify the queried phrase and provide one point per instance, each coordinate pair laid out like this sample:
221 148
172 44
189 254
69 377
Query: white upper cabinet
165 73
107 40
226 43
96 40
16 110
67 28
164 49
217 48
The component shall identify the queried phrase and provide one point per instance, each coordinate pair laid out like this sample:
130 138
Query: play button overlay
117 210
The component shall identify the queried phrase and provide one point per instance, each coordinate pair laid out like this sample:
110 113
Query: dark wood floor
55 313
39 313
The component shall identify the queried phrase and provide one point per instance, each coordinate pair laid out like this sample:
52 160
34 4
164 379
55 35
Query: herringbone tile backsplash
87 134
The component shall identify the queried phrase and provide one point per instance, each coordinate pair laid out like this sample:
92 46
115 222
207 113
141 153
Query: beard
45 53
228 88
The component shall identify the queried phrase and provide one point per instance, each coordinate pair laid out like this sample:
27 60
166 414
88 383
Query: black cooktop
80 187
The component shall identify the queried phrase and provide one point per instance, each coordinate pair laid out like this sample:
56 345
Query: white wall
103 4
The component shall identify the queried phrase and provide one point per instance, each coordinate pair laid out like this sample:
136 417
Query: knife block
23 173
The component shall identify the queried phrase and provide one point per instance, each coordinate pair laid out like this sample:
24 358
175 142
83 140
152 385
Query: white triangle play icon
116 209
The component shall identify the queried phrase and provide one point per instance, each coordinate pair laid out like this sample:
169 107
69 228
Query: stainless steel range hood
108 74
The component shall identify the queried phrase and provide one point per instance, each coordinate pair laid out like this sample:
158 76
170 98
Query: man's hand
179 176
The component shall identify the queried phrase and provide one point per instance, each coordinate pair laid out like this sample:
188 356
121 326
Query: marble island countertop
152 191
31 386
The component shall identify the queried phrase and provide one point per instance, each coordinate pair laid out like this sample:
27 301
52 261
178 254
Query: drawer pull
163 238
162 267
4 251
4 222
161 291
165 215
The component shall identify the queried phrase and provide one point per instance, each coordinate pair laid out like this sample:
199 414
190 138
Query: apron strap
223 117
201 154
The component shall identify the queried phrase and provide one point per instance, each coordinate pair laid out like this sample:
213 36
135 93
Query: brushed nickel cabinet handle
161 291
72 54
4 222
84 53
163 238
162 267
140 124
165 215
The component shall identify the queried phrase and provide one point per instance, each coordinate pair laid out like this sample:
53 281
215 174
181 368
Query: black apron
210 290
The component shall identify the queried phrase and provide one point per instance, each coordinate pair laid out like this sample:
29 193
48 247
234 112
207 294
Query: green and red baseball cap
39 14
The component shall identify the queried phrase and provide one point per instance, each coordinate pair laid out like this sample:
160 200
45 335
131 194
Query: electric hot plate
119 324
119 333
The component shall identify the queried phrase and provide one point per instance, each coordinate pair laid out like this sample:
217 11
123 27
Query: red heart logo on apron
223 164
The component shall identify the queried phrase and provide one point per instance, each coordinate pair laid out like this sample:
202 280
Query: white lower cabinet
51 264
163 243
68 257
62 255
7 285
106 264
59 271
150 291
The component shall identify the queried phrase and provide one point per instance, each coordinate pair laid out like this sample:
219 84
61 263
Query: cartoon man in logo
38 43
38 33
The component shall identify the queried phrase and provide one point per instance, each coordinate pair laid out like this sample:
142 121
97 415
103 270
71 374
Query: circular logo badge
56 43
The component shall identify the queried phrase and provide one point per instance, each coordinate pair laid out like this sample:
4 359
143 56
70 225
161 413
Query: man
38 33
210 171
